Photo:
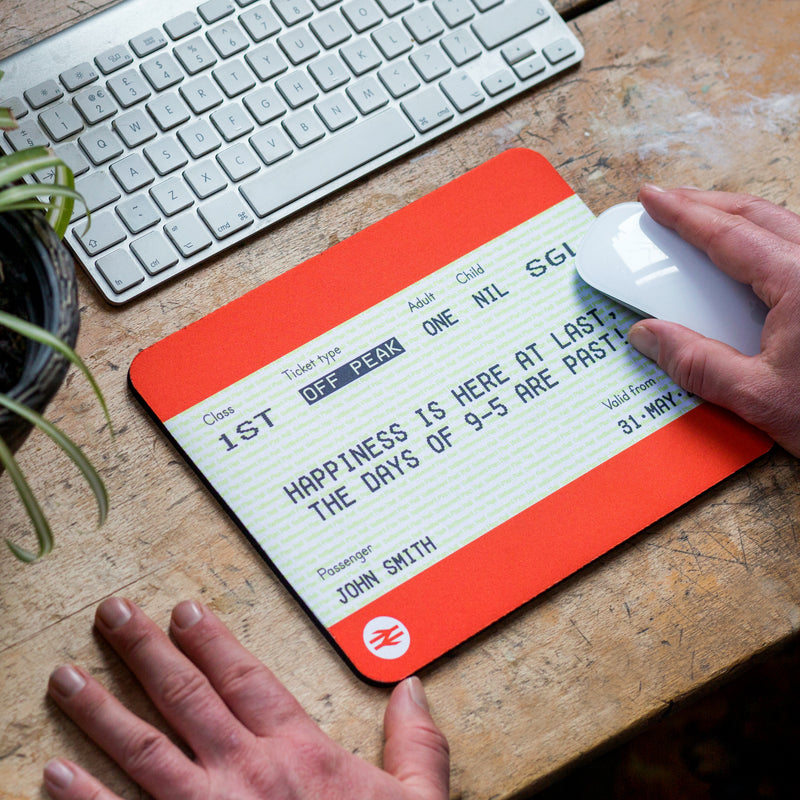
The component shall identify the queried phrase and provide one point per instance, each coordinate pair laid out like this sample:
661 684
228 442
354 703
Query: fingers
705 367
248 688
416 751
748 252
64 780
177 687
766 215
142 751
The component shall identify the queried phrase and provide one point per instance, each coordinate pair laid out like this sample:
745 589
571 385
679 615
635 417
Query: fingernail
114 612
67 681
186 614
416 692
653 188
644 340
58 774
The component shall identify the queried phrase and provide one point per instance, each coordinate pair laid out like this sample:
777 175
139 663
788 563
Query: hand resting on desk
249 736
757 243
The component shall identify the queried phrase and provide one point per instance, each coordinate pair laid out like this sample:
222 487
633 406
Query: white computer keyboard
191 126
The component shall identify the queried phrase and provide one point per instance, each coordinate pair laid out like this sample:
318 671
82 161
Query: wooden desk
680 92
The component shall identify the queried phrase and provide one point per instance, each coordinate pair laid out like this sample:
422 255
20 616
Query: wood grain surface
681 92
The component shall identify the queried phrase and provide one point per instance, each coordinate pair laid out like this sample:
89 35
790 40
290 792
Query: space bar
334 157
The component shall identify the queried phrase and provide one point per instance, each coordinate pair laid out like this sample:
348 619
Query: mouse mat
434 421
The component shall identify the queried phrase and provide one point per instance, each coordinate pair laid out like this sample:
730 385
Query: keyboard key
104 233
297 89
195 55
423 24
148 42
427 109
461 47
234 78
362 14
329 72
454 12
100 144
168 110
205 179
430 62
462 91
201 94
335 111
498 82
238 161
213 10
188 234
61 121
134 128
298 45
266 61
72 157
162 72
330 29
265 105
18 108
138 213
78 77
182 25
530 67
228 39
271 144
232 122
119 270
43 93
98 191
172 196
559 50
293 11
166 156
225 215
132 173
304 128
113 59
332 158
399 79
95 104
392 40
361 57
260 23
509 20
517 50
393 7
154 252
368 95
129 88
199 138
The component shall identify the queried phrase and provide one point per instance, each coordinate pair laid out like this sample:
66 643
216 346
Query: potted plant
39 319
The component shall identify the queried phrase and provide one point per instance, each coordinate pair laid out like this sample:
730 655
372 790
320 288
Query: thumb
705 367
416 751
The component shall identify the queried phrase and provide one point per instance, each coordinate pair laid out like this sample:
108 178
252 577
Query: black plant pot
37 283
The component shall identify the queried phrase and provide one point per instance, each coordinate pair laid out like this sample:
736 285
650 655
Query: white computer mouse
649 268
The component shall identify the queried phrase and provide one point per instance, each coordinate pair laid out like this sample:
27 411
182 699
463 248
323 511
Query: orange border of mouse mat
490 577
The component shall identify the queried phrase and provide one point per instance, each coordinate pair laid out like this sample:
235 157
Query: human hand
248 734
756 243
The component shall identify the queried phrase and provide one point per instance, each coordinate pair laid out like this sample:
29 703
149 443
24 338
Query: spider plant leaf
60 213
69 447
38 520
38 334
26 162
7 119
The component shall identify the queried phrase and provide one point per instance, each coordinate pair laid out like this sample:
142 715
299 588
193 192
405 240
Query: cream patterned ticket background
514 379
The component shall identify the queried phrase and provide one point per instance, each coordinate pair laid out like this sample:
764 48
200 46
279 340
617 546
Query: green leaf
69 447
38 520
7 119
37 334
60 214
26 162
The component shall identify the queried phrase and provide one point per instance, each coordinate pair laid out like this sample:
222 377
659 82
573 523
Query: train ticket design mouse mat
435 420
